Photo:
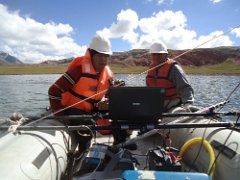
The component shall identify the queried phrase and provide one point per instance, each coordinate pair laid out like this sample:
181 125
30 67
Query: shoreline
197 74
227 69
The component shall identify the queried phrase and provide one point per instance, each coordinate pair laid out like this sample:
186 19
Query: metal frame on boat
41 150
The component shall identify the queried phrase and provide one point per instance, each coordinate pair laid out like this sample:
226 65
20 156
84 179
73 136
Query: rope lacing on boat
15 121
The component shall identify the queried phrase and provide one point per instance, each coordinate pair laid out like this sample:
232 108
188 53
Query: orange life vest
90 88
160 77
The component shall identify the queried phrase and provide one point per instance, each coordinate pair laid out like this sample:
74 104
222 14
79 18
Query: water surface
28 93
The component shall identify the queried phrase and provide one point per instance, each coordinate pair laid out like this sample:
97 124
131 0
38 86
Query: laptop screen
136 103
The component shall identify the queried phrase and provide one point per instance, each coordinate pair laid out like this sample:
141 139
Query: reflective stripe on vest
160 78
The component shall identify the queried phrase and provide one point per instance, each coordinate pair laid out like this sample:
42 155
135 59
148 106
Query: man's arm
183 87
63 84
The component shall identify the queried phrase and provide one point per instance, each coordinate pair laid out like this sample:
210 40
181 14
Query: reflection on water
28 93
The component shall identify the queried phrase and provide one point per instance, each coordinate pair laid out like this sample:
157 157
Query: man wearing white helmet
82 87
86 76
168 73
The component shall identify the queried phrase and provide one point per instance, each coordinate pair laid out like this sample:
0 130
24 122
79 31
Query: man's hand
102 105
189 107
119 82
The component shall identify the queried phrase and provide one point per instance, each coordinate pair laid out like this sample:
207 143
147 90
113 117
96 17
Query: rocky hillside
6 58
208 56
141 57
196 57
63 61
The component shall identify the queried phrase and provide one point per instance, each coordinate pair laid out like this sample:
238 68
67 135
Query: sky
38 30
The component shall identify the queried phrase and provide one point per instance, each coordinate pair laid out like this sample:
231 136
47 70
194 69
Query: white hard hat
101 45
158 47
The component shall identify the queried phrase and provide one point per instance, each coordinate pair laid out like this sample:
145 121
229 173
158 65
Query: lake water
28 94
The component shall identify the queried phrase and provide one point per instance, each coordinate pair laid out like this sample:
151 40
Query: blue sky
39 30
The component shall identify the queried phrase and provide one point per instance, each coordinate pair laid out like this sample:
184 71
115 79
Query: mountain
6 58
141 57
207 56
62 61
195 57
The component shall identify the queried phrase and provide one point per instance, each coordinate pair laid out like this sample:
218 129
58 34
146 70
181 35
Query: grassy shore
224 68
32 69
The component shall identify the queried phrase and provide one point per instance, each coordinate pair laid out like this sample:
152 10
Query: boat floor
144 142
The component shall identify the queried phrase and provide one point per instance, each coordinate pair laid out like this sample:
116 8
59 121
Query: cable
50 145
230 95
224 144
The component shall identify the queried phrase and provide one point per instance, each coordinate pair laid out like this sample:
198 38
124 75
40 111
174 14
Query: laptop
136 104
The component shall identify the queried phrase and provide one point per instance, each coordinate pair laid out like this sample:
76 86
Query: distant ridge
195 57
141 57
6 58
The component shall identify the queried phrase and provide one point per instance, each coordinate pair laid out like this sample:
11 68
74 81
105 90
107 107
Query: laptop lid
136 103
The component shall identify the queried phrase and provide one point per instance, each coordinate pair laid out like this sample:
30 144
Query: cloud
127 22
160 2
32 41
214 39
162 20
167 26
215 1
236 31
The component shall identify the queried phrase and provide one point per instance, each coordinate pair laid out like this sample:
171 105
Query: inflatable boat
181 145
34 154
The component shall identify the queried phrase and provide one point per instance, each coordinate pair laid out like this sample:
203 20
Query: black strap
93 76
91 101
157 77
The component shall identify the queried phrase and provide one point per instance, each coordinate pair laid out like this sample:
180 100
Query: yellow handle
208 147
